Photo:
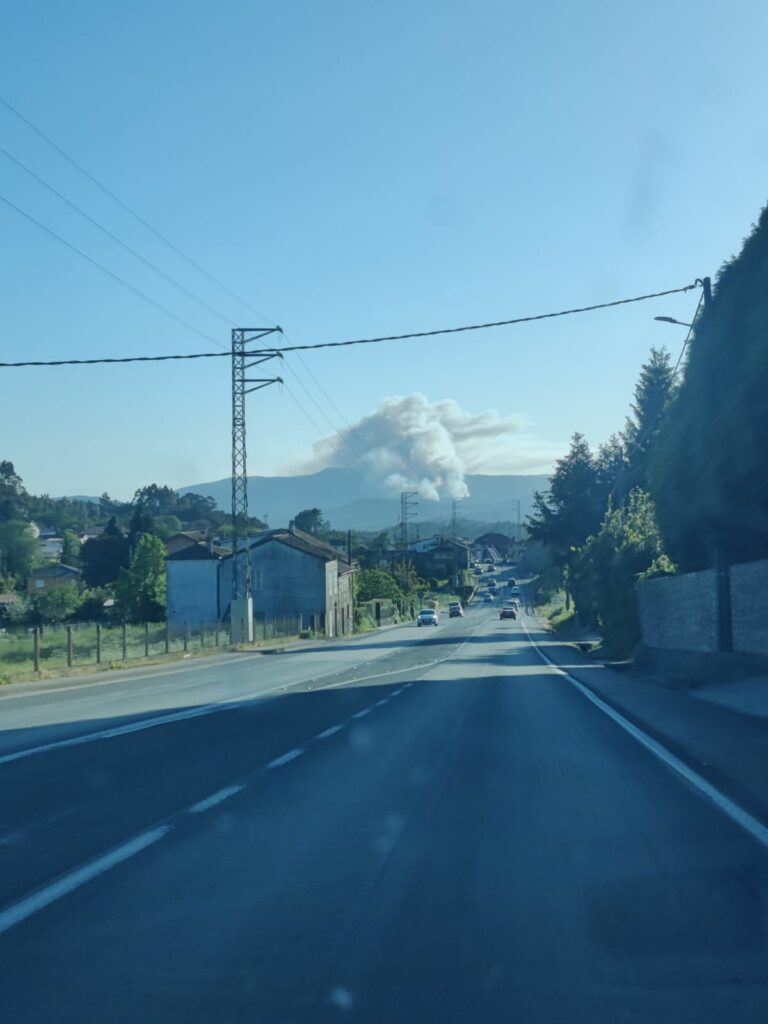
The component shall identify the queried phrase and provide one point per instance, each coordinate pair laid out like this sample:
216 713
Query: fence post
146 639
69 647
98 643
125 641
202 637
216 634
37 648
167 639
186 638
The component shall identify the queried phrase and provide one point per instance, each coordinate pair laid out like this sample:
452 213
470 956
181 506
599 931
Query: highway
418 825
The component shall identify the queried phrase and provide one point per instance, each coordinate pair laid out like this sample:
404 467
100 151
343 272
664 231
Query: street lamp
671 320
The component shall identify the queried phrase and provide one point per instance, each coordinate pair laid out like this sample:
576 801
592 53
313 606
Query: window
257 580
39 584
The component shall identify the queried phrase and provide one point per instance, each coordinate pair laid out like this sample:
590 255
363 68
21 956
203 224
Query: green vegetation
708 468
599 522
682 487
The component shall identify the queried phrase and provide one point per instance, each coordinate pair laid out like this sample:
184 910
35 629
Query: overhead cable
338 344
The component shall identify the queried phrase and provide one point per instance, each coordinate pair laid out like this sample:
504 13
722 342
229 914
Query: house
500 541
292 574
47 577
185 539
51 546
91 533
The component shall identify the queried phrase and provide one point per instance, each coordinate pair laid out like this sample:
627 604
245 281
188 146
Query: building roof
301 541
198 551
53 571
9 598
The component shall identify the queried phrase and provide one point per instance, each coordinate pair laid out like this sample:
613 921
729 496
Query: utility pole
454 511
407 506
244 359
518 533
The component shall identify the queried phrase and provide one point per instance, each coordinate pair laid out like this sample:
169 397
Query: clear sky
359 167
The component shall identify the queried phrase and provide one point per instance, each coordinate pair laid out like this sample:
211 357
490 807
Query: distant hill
350 500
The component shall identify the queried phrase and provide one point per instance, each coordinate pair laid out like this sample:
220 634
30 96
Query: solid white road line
121 730
736 813
278 762
18 912
214 799
330 731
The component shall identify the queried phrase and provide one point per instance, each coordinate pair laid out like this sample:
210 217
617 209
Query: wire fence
27 651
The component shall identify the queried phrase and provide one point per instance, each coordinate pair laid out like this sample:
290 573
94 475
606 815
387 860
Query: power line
688 335
310 419
145 223
327 344
110 273
115 238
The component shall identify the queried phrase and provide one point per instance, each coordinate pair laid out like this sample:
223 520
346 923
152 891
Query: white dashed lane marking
214 799
278 762
330 731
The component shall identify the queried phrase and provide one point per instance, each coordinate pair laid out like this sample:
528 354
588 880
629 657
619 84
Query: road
421 825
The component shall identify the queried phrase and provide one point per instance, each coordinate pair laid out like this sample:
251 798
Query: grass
17 649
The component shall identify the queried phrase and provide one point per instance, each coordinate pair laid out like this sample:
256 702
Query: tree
708 471
140 591
572 508
167 526
103 557
91 607
12 491
57 604
156 499
604 572
653 392
375 584
141 523
311 520
70 552
19 550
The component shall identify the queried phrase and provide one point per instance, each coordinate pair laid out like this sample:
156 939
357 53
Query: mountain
351 500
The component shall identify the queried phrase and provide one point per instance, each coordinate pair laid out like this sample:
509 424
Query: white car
427 617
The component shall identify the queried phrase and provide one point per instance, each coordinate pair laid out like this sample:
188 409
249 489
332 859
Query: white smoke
411 443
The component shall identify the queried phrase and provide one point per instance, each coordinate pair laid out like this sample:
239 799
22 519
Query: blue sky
357 168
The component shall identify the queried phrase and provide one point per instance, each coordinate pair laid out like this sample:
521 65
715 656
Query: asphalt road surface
422 825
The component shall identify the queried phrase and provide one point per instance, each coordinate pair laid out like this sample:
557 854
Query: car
512 581
488 597
508 612
492 585
427 617
516 591
455 611
489 568
514 603
477 571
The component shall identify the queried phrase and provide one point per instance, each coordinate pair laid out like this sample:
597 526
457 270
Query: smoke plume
410 443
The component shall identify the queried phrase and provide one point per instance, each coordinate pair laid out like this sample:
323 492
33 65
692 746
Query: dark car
455 611
508 612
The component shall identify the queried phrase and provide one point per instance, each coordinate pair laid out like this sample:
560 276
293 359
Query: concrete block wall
680 612
749 607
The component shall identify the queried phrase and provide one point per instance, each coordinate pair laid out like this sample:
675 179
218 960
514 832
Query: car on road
492 585
512 581
508 612
516 591
427 617
514 603
488 597
455 610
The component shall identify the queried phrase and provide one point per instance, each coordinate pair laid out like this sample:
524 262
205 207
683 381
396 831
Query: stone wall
749 607
680 612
